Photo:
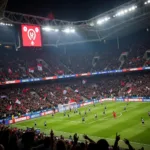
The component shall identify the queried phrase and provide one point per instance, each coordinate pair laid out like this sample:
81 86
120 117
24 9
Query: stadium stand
40 97
57 61
26 67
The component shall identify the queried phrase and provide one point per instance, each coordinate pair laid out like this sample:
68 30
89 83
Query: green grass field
127 124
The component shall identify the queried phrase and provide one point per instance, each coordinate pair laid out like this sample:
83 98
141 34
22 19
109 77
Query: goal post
66 107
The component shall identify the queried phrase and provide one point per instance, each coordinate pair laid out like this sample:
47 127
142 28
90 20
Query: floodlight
125 11
92 24
2 23
133 7
72 30
103 20
56 30
147 2
47 28
5 24
69 30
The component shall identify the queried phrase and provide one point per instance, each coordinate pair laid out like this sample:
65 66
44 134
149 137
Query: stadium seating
39 97
56 61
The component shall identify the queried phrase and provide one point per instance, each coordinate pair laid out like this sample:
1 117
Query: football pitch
127 124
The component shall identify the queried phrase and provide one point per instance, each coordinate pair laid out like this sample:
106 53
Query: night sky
71 10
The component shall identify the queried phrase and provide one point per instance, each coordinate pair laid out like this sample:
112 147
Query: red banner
31 69
39 67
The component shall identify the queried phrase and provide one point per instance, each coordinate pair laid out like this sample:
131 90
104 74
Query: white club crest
31 34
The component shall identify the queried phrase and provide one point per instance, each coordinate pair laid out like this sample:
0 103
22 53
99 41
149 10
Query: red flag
51 16
9 107
9 71
39 67
25 90
31 69
17 101
129 91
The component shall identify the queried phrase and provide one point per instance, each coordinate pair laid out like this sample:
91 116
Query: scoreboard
31 36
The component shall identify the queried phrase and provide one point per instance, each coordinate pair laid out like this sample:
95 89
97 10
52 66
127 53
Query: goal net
66 107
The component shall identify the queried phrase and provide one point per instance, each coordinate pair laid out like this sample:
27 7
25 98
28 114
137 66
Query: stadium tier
27 65
33 98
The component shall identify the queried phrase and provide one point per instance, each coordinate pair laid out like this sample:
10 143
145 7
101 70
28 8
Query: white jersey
142 120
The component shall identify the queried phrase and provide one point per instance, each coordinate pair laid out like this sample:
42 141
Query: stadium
75 85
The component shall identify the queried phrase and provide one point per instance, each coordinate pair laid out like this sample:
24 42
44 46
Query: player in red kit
114 114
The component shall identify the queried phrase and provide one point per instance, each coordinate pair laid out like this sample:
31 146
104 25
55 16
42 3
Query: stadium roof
119 21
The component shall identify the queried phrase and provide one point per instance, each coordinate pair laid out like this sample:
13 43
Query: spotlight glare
72 30
92 24
69 30
47 28
101 21
56 30
125 11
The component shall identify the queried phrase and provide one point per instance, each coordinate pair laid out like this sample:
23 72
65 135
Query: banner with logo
39 67
31 69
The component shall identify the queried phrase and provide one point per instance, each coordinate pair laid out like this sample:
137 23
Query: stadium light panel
5 24
125 11
69 30
103 20
56 30
47 28
72 30
147 2
91 24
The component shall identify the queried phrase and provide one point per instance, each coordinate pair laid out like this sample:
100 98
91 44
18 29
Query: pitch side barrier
37 114
73 75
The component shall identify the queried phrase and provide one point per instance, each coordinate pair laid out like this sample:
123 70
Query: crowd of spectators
19 139
57 61
44 96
